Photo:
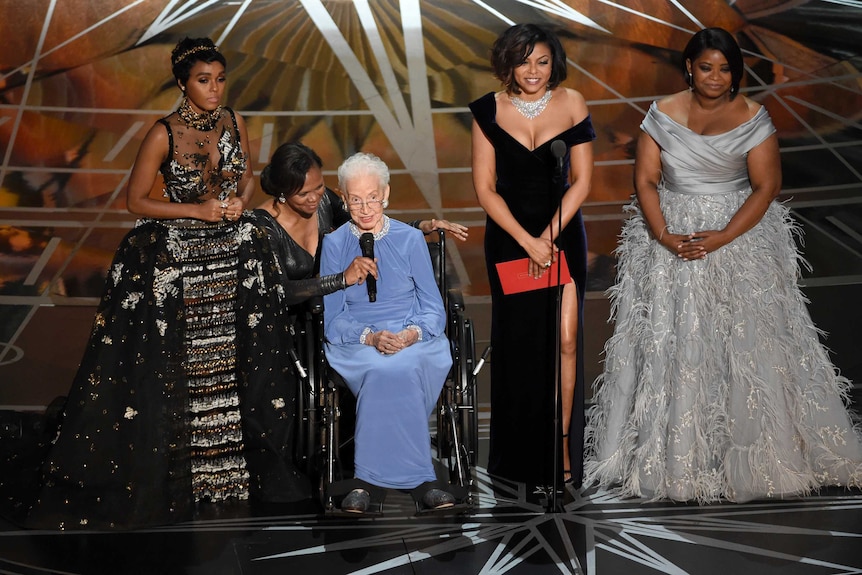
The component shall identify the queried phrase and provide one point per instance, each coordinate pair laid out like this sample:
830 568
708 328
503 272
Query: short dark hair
723 41
515 44
191 50
286 171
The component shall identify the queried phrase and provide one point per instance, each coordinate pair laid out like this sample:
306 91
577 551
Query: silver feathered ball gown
715 383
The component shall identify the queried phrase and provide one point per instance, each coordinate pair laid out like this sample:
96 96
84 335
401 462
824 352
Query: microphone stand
558 149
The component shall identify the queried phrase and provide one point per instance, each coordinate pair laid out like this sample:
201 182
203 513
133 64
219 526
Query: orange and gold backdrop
81 82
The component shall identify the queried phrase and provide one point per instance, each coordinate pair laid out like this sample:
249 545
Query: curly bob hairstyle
516 43
715 39
188 51
285 173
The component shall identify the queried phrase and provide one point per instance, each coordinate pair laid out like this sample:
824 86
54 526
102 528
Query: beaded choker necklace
354 229
531 109
204 121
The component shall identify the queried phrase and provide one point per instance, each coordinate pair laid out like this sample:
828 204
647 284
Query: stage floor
507 531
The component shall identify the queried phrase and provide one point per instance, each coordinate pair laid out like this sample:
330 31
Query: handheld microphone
366 243
558 150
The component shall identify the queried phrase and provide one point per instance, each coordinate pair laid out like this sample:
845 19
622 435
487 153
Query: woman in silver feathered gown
715 383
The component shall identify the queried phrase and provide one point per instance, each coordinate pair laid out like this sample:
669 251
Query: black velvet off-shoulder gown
523 325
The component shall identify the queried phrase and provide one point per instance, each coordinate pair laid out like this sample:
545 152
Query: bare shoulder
675 105
156 141
158 131
576 103
752 106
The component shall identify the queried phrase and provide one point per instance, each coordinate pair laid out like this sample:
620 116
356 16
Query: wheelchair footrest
340 489
375 510
461 506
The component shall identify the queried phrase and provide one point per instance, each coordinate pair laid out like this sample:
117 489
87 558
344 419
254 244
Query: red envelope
515 278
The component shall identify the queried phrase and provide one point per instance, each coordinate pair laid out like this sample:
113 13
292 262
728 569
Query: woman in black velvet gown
514 177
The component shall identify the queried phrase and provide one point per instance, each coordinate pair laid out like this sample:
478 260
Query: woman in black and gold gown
514 177
183 393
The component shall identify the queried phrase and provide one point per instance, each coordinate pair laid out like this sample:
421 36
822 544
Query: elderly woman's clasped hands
387 342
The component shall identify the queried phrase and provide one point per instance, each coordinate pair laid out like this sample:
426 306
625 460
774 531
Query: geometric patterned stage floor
508 531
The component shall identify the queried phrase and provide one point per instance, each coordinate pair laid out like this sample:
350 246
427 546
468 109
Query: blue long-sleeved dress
395 393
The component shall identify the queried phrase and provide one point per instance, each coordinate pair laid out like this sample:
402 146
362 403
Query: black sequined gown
523 325
183 393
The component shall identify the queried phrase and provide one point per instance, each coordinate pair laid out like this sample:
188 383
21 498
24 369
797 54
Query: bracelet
661 235
333 283
417 329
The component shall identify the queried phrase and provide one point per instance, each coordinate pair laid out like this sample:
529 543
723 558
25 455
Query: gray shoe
357 501
437 499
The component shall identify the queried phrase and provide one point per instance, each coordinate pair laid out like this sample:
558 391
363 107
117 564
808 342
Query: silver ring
224 205
547 264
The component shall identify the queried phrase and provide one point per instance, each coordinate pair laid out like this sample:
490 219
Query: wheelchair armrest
456 300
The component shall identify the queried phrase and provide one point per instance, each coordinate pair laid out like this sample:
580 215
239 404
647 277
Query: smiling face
364 196
533 74
205 86
711 75
306 201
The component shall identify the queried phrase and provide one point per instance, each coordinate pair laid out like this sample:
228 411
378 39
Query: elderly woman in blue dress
392 352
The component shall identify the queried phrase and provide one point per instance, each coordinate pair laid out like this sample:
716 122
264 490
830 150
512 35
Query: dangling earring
732 90
281 199
690 82
385 204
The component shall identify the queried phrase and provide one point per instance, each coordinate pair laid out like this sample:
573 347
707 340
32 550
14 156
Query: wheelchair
325 410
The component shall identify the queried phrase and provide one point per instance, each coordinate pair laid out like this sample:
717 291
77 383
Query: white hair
362 163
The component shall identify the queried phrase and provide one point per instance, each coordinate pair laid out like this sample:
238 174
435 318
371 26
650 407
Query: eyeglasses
355 204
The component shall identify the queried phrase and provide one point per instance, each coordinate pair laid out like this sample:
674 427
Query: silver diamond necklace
531 109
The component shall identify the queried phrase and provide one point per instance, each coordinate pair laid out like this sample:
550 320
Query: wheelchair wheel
468 400
457 416
328 450
457 457
306 399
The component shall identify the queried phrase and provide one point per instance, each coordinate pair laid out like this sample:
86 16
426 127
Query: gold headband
194 50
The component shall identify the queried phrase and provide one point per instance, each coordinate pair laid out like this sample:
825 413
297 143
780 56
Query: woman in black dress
514 177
